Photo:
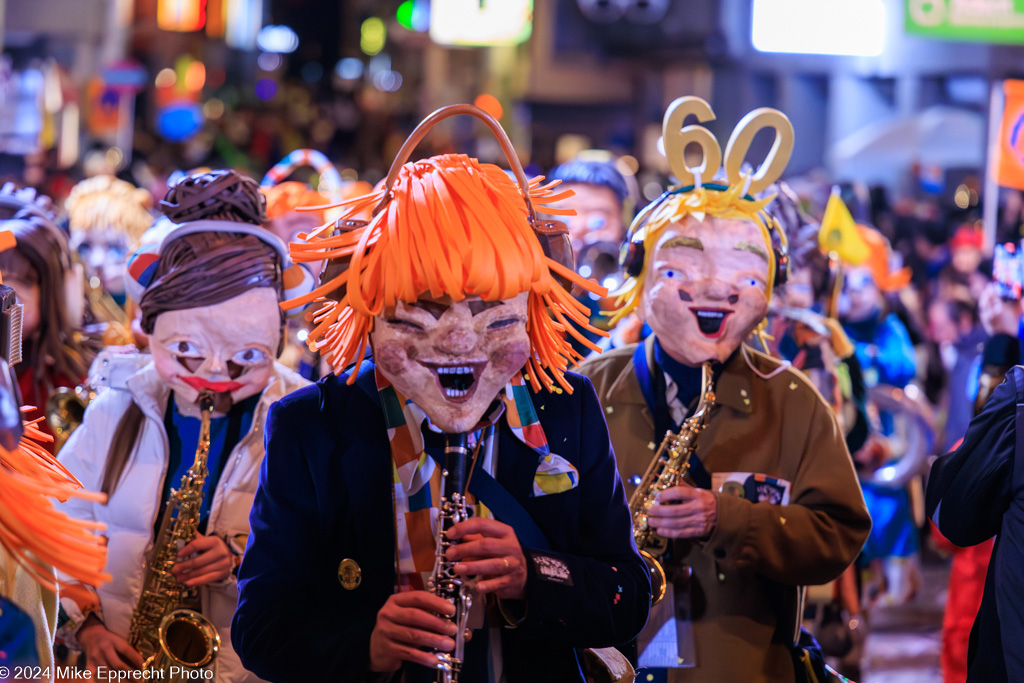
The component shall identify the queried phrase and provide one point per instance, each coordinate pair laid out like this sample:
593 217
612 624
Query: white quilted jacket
132 509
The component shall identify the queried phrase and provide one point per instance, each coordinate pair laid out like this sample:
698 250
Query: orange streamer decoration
32 530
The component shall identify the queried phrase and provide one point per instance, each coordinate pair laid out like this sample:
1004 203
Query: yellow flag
839 233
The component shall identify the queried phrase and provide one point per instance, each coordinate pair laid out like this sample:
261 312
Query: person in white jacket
209 295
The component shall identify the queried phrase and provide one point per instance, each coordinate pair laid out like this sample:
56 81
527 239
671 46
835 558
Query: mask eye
503 323
673 274
407 325
185 349
247 357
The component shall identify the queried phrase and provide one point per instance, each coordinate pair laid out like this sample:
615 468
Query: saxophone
443 581
168 636
667 469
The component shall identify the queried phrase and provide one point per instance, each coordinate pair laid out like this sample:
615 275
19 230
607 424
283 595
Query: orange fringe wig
451 226
32 530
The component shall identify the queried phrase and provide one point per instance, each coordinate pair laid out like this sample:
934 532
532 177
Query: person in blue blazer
452 283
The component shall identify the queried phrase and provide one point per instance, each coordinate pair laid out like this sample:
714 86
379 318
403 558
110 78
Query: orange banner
102 103
1009 157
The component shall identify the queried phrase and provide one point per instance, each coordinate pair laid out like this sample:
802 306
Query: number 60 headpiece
696 196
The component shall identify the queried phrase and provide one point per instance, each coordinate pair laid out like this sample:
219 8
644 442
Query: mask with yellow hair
106 219
704 258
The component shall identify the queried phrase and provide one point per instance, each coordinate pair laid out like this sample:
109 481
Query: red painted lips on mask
198 383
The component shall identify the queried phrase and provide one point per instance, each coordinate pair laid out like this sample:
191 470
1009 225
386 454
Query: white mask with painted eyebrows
705 287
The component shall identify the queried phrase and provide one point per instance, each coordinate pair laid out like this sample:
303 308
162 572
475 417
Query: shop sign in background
986 21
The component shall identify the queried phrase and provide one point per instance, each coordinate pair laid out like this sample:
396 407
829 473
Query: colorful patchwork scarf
417 479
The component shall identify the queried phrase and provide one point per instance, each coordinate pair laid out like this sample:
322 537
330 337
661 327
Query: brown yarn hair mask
206 268
221 194
209 267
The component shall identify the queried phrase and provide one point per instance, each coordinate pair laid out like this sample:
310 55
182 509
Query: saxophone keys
350 574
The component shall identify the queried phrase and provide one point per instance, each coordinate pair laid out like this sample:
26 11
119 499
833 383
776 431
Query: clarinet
443 581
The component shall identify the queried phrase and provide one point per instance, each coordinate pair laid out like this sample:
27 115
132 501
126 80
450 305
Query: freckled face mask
705 287
452 359
442 230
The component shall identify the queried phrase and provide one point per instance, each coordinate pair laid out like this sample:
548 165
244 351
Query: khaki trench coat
747 574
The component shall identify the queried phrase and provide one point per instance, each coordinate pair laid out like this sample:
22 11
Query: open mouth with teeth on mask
711 320
456 381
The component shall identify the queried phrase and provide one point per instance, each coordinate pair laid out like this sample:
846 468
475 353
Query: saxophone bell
188 641
656 573
65 411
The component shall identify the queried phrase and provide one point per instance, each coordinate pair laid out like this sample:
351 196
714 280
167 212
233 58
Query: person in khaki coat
771 502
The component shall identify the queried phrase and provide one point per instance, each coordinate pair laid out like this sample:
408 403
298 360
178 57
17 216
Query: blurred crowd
890 307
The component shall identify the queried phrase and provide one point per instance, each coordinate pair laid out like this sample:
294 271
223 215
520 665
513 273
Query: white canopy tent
884 152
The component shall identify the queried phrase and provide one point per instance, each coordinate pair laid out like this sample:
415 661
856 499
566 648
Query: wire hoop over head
435 118
553 235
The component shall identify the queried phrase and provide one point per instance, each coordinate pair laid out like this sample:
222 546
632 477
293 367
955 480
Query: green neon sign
983 21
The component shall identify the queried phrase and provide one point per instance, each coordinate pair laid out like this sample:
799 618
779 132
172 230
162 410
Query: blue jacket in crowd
883 350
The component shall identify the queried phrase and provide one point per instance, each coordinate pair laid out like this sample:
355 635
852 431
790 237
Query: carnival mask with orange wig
454 282
284 198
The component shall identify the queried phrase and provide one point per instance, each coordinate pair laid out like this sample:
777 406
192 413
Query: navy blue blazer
325 494
977 492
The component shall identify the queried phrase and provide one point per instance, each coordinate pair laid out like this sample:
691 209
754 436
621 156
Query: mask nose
457 341
716 289
215 367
